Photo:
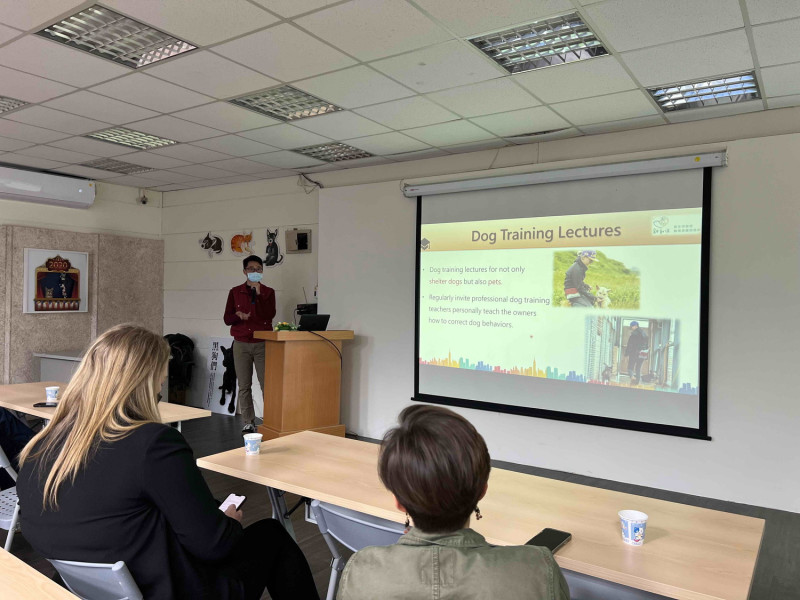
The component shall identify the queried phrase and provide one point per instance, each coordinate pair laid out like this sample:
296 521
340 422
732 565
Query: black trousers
268 557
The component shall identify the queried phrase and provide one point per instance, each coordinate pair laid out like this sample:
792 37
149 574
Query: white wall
196 286
367 283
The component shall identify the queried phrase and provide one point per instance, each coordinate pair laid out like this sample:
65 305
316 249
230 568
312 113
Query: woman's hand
234 513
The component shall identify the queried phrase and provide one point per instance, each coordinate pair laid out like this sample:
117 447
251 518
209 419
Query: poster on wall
222 389
55 281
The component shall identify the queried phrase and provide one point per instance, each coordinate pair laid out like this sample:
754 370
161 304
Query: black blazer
143 500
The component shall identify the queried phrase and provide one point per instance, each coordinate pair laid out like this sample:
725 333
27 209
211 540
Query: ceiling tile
764 11
226 117
57 154
284 52
631 24
493 96
237 179
447 134
468 17
87 172
170 176
201 22
235 145
36 55
708 56
30 161
351 88
93 147
388 143
517 122
438 67
341 125
420 154
49 118
370 29
777 44
559 134
136 181
778 81
623 125
577 80
154 161
99 107
174 129
278 173
712 112
285 136
614 107
240 165
784 101
30 88
28 133
172 187
190 153
143 90
291 8
6 33
210 74
478 146
286 160
407 113
9 145
27 14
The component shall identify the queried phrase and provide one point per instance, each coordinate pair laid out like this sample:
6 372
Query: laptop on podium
313 322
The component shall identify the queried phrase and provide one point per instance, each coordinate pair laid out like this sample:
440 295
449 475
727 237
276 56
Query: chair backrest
98 581
6 464
354 529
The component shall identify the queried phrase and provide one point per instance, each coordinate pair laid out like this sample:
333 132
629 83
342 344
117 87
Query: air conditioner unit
30 186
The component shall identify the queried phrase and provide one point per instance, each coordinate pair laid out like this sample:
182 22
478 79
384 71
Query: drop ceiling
409 82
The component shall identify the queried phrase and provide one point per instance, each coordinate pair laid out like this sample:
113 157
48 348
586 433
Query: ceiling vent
334 152
130 138
116 166
286 103
707 92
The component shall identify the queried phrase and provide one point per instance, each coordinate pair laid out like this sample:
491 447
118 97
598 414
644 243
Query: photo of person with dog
592 279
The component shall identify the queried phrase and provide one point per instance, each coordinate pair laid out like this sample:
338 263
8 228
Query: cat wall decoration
213 244
273 253
240 244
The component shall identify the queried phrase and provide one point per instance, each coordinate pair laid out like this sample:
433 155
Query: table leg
279 510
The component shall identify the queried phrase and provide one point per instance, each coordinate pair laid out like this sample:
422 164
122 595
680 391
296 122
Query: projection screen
581 300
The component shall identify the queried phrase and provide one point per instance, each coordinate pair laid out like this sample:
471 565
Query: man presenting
250 307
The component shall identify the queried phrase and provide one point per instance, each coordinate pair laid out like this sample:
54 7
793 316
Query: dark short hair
437 465
252 258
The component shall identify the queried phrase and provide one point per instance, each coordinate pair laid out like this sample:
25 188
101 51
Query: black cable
331 343
307 178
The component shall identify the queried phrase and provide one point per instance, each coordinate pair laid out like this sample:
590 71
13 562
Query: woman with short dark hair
437 466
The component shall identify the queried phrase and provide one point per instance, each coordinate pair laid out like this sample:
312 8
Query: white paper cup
52 393
252 443
633 525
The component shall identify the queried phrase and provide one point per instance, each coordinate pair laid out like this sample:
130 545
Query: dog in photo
603 297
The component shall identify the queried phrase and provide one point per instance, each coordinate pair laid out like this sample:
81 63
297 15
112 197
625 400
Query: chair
354 530
97 581
9 504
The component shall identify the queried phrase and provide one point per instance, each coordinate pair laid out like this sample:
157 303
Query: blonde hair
114 391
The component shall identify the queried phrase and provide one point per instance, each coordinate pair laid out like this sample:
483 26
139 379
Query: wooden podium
303 375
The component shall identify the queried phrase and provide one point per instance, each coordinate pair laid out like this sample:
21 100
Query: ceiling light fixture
541 44
707 92
8 104
286 103
116 166
130 138
108 34
333 152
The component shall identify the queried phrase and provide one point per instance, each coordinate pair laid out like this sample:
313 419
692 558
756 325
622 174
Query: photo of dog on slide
589 278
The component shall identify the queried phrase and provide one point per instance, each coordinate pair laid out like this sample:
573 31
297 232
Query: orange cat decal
240 244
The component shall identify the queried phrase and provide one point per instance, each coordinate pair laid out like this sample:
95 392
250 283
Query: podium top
303 336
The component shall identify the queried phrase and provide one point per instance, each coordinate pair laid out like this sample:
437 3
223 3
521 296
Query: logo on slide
660 222
425 244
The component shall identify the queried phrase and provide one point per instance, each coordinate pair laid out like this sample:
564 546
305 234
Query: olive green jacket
452 566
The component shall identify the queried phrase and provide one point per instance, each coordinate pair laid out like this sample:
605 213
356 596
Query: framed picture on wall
55 281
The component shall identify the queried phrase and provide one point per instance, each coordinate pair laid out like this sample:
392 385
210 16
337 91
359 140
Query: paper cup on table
633 525
52 393
252 443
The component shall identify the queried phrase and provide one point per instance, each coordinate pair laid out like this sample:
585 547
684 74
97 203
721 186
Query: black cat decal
274 256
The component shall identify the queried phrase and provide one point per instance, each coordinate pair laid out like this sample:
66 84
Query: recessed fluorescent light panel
709 92
105 33
8 104
541 44
334 152
286 103
131 138
116 166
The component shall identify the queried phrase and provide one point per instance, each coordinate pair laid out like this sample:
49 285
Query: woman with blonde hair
106 481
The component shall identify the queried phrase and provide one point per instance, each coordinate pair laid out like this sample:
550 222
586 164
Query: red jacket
262 312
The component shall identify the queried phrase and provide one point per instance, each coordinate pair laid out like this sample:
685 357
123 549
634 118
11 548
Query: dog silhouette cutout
274 256
228 379
212 244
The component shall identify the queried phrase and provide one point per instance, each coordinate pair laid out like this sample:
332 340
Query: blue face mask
255 277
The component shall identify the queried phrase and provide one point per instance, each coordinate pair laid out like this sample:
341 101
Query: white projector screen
582 300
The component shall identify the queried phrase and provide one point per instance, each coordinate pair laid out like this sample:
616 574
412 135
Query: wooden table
21 397
689 553
22 582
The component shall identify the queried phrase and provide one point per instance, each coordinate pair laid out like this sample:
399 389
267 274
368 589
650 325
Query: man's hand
242 316
233 513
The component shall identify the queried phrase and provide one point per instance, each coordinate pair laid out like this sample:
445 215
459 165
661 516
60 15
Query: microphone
252 295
